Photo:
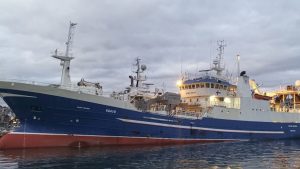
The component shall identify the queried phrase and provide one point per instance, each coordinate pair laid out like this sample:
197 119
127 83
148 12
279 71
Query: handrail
72 87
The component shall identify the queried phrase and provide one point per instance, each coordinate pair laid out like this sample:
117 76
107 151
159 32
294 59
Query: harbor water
264 154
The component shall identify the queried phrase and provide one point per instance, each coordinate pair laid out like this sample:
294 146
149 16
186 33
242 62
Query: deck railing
72 87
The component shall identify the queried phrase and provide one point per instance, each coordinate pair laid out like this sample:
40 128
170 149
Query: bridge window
193 86
217 86
221 86
212 85
207 85
197 85
225 87
190 86
202 85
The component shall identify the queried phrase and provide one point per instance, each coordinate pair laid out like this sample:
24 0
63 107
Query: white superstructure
211 88
139 92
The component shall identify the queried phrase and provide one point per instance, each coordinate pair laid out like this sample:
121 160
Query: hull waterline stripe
80 135
199 128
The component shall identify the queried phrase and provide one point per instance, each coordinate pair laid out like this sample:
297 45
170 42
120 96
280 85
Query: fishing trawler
78 115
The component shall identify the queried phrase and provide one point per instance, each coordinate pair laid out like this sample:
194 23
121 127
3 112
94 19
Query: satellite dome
297 83
143 67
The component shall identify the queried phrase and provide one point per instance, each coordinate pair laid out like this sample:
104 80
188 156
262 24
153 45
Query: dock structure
5 119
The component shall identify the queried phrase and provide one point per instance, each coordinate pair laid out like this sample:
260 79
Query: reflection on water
269 154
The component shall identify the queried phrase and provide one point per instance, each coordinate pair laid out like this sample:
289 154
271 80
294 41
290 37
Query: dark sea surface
265 154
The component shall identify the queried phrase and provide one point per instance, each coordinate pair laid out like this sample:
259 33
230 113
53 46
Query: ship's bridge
206 91
210 89
205 86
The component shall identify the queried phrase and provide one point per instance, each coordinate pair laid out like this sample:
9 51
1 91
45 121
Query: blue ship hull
51 121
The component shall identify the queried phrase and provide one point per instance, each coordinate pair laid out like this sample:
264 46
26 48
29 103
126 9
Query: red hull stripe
11 140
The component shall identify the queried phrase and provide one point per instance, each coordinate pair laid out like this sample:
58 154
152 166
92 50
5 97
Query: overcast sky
165 34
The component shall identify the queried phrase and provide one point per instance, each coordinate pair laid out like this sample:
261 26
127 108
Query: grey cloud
167 35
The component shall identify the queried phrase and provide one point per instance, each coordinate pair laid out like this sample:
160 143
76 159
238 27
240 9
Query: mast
140 69
238 64
66 59
70 38
218 60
